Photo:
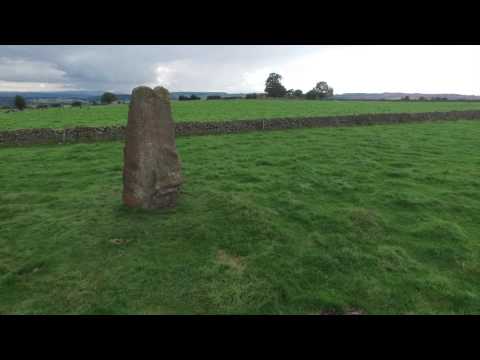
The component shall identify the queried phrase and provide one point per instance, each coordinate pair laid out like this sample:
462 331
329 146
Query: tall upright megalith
151 169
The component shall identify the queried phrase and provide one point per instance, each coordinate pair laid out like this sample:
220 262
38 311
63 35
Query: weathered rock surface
151 172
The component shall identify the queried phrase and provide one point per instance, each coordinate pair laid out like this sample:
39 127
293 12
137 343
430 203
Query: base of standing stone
165 200
157 201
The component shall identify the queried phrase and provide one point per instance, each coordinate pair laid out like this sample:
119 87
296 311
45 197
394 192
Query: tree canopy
273 86
323 90
20 102
320 91
108 98
298 93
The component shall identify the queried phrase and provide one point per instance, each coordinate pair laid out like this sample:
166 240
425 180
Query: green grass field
379 219
219 110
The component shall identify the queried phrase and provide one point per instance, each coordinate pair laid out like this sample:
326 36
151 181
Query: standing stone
151 172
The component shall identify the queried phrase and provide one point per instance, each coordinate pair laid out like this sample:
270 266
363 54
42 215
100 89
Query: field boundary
110 133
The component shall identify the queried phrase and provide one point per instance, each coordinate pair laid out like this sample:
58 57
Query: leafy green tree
298 93
291 93
20 102
108 98
323 90
273 86
311 95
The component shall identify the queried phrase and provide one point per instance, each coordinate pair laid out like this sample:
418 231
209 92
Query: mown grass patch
380 219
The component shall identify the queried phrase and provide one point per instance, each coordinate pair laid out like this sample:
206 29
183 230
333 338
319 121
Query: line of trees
186 98
218 97
275 89
20 103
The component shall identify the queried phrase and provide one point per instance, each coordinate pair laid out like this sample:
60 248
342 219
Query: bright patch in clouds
164 75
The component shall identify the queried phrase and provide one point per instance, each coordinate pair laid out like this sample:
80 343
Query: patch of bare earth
119 241
234 262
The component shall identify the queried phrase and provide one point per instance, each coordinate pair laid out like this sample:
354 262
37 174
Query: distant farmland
219 110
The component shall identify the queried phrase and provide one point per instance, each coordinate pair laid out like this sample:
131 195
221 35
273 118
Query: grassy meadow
219 110
379 219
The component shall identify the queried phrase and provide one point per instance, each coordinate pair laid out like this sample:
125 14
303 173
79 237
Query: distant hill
6 97
398 96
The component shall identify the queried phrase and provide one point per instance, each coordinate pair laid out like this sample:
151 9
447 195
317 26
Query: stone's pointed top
142 90
159 91
162 92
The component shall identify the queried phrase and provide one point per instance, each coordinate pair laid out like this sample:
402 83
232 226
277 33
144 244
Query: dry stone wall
92 134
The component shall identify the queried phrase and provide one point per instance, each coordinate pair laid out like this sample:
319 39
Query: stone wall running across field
91 134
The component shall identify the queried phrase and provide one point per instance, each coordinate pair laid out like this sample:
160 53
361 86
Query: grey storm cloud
26 70
120 68
347 68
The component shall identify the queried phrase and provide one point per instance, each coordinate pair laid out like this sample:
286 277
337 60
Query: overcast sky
395 68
